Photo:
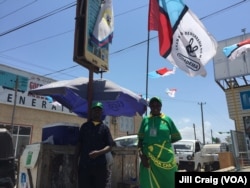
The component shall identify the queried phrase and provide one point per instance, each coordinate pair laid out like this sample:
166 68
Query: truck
214 150
192 157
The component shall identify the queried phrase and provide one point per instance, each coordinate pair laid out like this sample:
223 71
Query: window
21 136
246 120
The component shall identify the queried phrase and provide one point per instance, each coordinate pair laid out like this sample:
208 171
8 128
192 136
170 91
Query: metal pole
148 45
202 121
147 68
90 90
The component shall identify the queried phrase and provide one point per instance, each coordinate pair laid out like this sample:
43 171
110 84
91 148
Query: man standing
95 141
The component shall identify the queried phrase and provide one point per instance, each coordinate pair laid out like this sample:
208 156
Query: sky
45 47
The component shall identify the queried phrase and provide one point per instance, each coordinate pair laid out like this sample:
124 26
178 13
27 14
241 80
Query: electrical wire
38 19
112 53
15 11
115 52
222 10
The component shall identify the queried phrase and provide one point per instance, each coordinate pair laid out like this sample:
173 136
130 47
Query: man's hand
94 154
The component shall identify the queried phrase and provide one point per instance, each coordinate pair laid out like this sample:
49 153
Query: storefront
25 115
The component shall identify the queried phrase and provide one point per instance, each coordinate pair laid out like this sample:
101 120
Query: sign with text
15 85
86 52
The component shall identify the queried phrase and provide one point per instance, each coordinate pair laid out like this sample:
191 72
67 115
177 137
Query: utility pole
212 136
194 131
14 107
202 121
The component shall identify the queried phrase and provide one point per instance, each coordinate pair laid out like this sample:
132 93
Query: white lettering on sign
34 101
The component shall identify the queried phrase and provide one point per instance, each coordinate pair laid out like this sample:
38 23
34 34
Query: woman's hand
144 160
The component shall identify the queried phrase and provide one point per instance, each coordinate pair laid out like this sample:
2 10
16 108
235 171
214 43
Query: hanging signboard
86 52
12 79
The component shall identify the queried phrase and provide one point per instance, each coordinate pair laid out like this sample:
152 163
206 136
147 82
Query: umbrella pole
90 90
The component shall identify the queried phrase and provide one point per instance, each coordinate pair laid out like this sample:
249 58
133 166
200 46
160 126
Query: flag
55 103
183 39
235 50
104 25
171 92
51 101
161 72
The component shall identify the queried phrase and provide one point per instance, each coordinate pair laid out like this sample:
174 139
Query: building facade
233 76
25 115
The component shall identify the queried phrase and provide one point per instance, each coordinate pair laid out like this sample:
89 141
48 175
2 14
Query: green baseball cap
155 99
97 104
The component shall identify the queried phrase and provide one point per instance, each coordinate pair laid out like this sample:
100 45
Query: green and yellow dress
156 134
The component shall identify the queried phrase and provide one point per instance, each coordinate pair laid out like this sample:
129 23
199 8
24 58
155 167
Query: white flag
104 26
171 92
55 103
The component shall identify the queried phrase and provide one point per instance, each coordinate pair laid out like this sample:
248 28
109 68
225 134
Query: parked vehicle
126 141
191 157
7 160
214 150
132 141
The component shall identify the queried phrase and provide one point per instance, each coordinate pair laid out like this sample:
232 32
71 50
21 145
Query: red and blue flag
183 39
236 50
161 72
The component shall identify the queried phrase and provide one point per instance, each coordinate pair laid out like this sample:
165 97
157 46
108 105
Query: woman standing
156 134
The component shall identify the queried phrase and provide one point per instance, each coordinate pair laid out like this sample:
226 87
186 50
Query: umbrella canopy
73 94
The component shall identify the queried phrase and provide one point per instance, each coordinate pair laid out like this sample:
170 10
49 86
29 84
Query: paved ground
233 169
228 169
245 169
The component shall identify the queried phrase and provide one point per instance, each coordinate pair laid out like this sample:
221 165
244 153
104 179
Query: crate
226 159
125 168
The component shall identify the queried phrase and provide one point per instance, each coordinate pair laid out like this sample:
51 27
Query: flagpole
147 66
147 69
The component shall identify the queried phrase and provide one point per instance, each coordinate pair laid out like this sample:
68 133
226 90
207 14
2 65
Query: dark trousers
92 177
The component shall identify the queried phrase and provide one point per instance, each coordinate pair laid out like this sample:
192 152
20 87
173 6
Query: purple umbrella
73 94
